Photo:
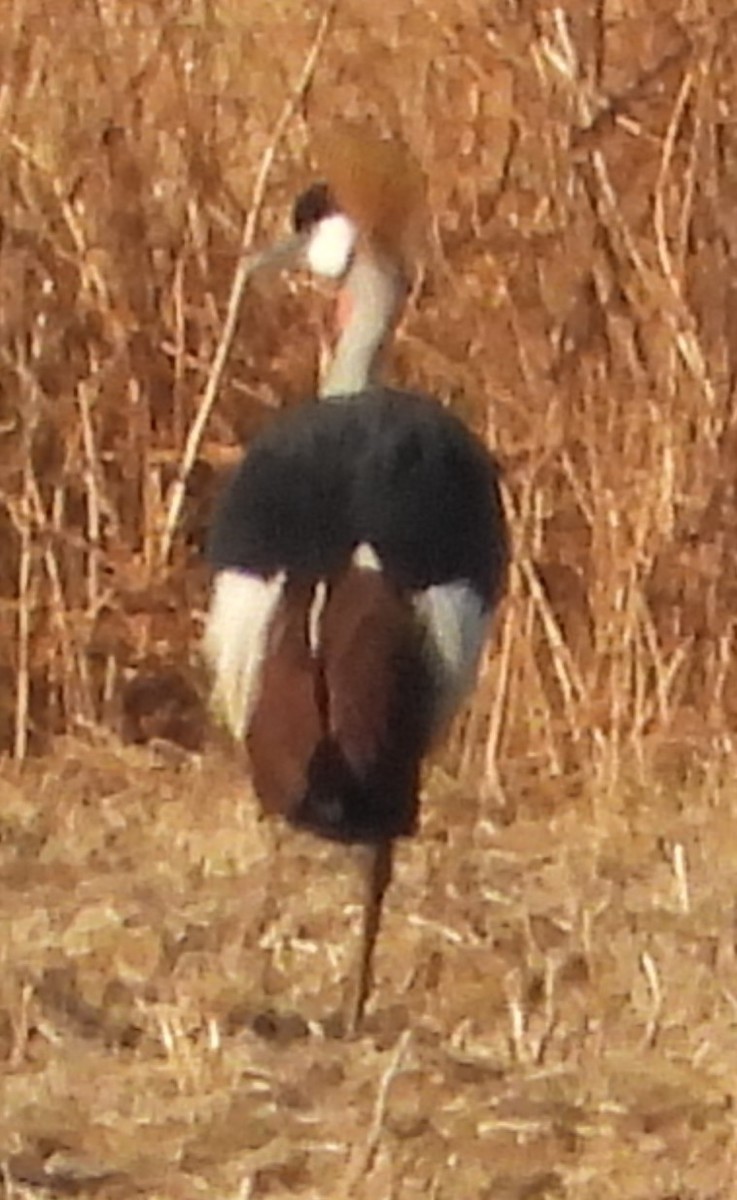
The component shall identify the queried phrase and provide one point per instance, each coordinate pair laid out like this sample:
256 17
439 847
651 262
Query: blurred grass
572 990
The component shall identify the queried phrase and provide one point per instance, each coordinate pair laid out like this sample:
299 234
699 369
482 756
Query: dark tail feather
363 778
337 737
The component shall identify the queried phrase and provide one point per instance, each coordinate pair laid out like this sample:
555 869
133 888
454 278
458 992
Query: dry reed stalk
151 485
20 513
196 432
679 862
666 670
523 673
22 693
659 195
93 280
723 660
74 674
529 1037
685 337
655 988
198 236
499 707
14 27
560 53
564 59
362 1159
180 353
571 684
92 475
22 1024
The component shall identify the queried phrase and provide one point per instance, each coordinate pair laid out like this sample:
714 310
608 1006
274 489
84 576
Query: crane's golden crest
377 182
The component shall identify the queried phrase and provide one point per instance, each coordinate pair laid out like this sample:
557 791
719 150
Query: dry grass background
557 993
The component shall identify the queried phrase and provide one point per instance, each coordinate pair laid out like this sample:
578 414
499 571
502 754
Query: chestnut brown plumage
336 737
359 551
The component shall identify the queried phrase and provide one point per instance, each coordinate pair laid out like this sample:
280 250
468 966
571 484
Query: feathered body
370 520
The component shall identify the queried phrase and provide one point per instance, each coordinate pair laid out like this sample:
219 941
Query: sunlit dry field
556 1004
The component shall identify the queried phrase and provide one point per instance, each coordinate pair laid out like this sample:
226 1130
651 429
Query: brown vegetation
557 984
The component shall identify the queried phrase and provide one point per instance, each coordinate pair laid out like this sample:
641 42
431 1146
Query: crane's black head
323 237
327 235
312 206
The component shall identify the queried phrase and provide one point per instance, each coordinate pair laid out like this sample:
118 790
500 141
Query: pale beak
286 253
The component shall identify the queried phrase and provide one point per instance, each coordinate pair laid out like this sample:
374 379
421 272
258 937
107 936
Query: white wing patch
456 619
234 646
315 615
365 558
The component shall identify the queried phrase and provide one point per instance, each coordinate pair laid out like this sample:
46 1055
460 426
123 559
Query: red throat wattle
343 310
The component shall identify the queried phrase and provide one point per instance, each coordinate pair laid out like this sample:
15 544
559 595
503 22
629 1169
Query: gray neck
375 289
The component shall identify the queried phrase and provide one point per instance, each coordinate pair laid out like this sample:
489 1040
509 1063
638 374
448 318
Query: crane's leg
377 863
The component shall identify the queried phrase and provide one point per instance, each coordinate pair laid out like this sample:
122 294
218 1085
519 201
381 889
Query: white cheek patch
456 620
235 642
331 245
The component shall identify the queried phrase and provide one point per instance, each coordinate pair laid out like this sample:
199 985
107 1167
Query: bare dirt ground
554 1016
556 1004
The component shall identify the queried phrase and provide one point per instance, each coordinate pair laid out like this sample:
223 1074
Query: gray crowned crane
358 551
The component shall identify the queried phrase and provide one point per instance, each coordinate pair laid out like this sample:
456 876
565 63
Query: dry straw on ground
557 999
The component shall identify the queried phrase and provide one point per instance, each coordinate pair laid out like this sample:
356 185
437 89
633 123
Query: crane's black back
392 469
